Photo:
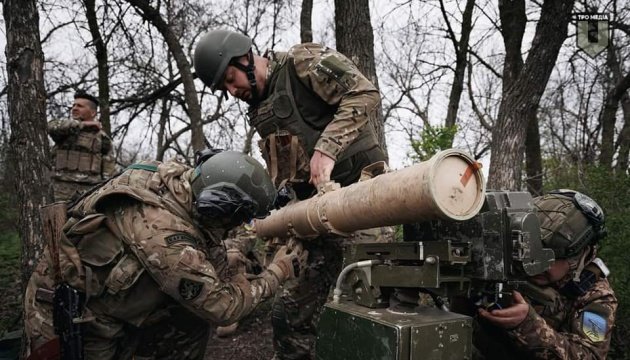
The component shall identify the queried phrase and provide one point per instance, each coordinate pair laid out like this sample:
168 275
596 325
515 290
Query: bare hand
321 167
509 317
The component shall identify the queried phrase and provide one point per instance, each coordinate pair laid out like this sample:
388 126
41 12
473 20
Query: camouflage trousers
67 190
297 305
109 339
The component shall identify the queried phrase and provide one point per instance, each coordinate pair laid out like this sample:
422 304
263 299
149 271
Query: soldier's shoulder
601 290
306 51
307 56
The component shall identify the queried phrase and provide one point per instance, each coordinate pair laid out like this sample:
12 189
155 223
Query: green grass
10 288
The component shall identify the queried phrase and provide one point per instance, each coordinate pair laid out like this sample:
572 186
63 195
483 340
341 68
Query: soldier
567 312
82 154
145 249
313 110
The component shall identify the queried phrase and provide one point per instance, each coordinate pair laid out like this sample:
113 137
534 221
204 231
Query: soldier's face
556 272
83 110
236 83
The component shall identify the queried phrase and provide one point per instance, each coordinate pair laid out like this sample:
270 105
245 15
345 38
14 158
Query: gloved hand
237 261
289 263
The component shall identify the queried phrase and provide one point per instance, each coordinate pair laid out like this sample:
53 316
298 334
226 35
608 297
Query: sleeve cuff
329 148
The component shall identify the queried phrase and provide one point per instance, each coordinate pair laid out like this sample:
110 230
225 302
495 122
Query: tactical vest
82 155
105 266
293 108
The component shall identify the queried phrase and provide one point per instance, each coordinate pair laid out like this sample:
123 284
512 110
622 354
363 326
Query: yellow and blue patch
594 326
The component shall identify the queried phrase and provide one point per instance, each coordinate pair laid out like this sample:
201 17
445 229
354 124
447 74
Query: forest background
502 80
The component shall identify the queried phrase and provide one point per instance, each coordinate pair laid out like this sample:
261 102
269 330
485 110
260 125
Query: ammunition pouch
82 155
73 160
286 157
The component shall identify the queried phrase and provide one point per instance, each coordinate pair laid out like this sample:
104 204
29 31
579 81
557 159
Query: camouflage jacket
145 254
577 328
81 154
343 86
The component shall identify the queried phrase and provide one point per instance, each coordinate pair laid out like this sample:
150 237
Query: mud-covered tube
450 185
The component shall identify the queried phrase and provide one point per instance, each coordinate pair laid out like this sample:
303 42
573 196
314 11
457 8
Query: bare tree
461 50
153 16
103 65
523 96
306 30
28 143
608 116
355 39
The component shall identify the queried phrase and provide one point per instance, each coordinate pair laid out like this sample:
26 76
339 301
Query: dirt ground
251 341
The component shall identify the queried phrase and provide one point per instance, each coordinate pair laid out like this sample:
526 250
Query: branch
449 29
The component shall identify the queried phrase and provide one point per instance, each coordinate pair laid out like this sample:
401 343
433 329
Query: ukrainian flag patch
594 326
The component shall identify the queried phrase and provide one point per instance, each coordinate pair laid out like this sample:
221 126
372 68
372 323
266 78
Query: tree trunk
513 21
28 145
355 39
524 94
103 66
623 142
533 156
461 49
608 115
153 16
306 30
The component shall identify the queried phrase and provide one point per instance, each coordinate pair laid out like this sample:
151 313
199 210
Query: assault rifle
67 302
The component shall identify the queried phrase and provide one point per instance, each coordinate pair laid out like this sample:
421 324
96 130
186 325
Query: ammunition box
348 331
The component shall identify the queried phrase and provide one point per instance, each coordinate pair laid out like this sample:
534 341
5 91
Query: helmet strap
580 267
249 70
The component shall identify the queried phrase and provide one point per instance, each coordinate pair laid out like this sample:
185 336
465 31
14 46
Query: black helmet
232 187
214 52
569 221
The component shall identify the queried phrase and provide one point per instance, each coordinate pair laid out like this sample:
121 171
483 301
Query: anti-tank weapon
477 254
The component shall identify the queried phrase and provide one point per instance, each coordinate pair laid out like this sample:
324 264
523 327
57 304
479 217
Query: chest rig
80 153
291 119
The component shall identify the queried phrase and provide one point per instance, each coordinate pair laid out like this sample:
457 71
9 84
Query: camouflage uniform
557 326
82 157
314 99
155 280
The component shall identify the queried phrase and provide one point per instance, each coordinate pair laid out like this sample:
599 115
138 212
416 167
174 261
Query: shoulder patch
189 289
180 238
594 326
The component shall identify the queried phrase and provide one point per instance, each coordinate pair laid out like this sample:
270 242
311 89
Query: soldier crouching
144 254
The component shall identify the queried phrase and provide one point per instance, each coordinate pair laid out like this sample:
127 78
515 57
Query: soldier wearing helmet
567 312
145 251
312 108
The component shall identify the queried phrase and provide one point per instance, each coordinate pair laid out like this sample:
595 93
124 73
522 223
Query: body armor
291 119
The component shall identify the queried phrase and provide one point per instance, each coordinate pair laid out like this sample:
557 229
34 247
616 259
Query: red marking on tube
470 170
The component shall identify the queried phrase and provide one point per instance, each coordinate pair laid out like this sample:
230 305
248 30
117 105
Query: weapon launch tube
450 185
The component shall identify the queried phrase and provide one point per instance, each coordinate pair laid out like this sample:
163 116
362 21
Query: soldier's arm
172 257
60 129
190 279
588 338
337 81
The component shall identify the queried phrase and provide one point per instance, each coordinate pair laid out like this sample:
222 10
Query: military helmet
569 221
214 52
232 185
